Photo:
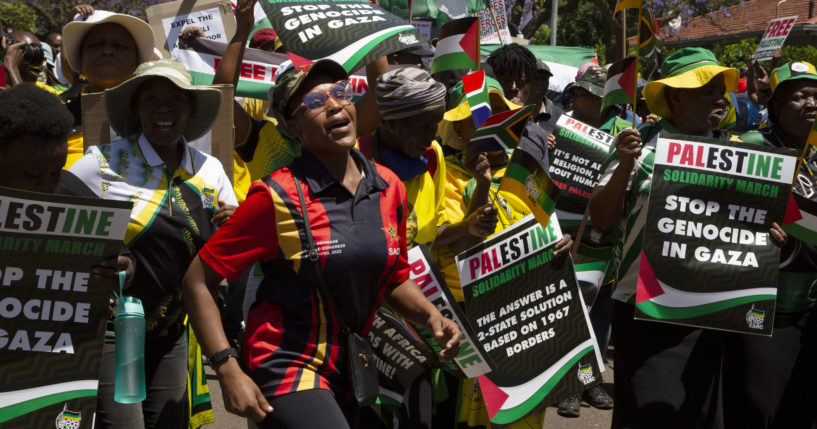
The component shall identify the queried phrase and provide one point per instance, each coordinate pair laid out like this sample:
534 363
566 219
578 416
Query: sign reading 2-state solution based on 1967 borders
52 310
529 316
708 258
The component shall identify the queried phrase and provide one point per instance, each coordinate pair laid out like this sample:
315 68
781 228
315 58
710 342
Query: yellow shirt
425 195
511 210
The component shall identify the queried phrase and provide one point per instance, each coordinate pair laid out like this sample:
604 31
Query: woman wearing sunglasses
294 349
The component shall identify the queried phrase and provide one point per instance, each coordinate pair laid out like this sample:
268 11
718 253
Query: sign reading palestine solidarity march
52 310
350 32
708 258
530 318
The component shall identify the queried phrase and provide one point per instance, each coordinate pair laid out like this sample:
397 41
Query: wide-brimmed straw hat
74 32
463 110
206 100
687 68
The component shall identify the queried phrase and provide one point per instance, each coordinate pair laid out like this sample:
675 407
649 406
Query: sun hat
687 68
118 99
289 81
592 80
74 32
795 70
463 110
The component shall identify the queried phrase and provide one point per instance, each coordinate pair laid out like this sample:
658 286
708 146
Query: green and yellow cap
795 70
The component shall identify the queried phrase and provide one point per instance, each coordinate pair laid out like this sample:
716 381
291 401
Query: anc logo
68 419
585 374
754 318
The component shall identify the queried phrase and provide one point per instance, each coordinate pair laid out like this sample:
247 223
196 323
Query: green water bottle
129 329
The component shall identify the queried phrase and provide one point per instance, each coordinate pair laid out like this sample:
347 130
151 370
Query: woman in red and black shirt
293 347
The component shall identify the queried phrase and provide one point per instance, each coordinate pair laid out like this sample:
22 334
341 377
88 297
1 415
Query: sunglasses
341 91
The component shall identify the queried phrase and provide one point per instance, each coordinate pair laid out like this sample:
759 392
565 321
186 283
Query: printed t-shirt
170 220
292 342
459 187
630 228
796 292
266 149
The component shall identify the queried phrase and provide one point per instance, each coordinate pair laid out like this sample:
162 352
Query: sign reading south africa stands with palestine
529 317
353 33
52 309
708 258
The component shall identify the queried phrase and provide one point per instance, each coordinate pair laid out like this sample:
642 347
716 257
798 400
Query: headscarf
406 92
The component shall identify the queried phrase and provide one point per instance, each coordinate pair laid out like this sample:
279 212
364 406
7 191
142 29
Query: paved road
590 417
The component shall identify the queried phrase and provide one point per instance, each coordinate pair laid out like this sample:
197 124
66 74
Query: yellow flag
627 4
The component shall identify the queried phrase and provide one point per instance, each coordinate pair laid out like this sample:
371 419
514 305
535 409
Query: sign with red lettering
488 31
530 318
708 258
774 37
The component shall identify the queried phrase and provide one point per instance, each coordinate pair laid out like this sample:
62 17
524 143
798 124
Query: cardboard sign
488 32
52 310
708 258
350 32
774 37
218 142
471 361
530 318
214 17
424 27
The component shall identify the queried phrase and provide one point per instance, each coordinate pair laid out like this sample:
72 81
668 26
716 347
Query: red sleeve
248 236
401 270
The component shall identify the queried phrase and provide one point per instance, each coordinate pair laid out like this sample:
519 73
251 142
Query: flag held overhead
620 85
457 46
476 89
501 131
627 4
648 36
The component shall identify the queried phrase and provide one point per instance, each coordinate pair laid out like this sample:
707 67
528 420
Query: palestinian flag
457 46
800 220
526 179
648 34
501 131
476 90
261 20
620 85
352 33
627 4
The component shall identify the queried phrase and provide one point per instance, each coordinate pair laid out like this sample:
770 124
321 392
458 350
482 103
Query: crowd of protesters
379 175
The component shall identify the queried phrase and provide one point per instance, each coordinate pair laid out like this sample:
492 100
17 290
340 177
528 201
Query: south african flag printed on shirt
526 179
350 32
457 46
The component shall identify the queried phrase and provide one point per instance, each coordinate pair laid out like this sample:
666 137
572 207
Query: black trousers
310 409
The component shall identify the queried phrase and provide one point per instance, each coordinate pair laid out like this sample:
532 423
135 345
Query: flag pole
637 53
496 23
409 16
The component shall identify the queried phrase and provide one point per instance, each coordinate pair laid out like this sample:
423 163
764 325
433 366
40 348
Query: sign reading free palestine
52 310
708 258
529 316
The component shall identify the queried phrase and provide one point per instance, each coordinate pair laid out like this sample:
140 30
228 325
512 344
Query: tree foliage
17 15
53 14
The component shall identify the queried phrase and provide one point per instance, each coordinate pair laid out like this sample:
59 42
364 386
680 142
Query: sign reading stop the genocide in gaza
774 36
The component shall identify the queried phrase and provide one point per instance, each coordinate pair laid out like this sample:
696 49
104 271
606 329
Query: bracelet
218 358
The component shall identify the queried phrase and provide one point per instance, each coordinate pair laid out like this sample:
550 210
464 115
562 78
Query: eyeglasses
341 91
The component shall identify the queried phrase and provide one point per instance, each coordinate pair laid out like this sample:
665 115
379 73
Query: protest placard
218 142
214 17
708 259
575 164
471 360
350 32
489 34
52 310
773 38
529 316
400 354
257 70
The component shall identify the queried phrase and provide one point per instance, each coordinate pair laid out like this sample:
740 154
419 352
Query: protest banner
52 310
489 33
708 259
773 38
399 352
218 142
575 165
214 17
257 76
529 316
353 33
471 361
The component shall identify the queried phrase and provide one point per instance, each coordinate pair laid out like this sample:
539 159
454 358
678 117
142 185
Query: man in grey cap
545 112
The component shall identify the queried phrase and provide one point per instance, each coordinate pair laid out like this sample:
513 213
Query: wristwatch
218 358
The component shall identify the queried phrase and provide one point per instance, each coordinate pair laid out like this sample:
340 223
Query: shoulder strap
314 257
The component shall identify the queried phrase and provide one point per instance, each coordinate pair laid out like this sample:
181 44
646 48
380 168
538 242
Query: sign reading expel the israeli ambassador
708 258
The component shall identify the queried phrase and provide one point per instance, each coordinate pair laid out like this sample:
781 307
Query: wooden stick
580 232
496 23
